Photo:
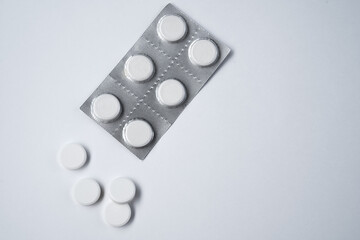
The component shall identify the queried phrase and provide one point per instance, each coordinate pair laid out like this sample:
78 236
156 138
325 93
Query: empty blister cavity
117 215
86 191
171 93
122 190
72 156
138 133
172 28
139 68
106 108
203 52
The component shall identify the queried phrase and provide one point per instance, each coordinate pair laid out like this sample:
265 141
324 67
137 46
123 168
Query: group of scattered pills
88 191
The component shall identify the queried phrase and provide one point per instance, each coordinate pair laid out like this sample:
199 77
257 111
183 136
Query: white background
269 149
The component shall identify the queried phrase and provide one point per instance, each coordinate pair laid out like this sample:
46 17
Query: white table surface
269 149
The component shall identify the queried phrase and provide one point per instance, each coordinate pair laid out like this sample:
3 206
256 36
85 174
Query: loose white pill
171 93
72 156
117 215
87 191
106 108
171 28
139 68
203 52
138 133
122 190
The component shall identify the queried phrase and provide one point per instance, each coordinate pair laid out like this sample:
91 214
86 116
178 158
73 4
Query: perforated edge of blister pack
171 60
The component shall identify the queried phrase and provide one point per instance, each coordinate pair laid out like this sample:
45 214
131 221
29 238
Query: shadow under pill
134 202
88 157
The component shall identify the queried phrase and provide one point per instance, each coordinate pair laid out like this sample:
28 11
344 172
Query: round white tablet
106 108
122 190
87 191
138 133
117 215
139 68
171 93
72 156
171 28
203 52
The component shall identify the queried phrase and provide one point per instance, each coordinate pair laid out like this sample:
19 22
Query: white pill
72 156
138 133
87 191
106 108
117 215
171 28
139 68
203 52
122 190
171 93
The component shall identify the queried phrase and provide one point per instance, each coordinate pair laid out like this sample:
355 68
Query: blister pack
153 83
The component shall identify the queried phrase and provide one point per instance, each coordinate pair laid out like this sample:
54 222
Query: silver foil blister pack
171 60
